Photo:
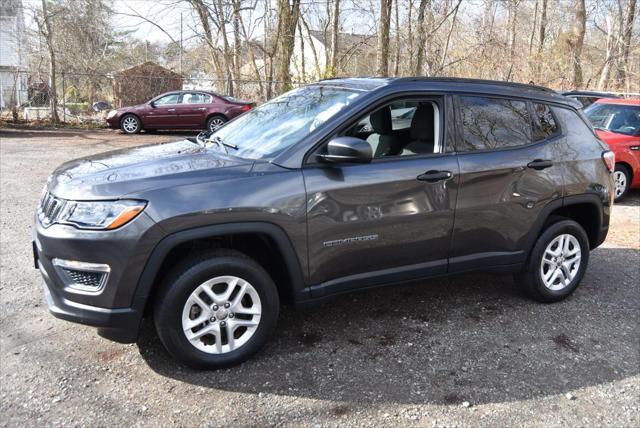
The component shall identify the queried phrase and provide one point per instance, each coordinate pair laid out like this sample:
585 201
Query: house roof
148 68
346 40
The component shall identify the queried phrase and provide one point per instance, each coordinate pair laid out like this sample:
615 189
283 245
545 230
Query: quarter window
547 126
493 123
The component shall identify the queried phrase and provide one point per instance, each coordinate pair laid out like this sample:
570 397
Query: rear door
508 174
390 219
193 109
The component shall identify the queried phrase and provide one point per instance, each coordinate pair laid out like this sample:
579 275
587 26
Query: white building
13 64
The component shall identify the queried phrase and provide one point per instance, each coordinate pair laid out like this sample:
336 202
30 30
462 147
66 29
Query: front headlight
111 114
100 214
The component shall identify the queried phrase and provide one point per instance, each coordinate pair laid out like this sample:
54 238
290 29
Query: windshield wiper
221 143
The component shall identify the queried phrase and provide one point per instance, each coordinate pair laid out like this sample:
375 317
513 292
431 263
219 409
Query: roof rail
467 80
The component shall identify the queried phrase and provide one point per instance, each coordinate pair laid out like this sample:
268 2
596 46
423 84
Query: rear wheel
215 122
216 310
130 124
557 262
622 178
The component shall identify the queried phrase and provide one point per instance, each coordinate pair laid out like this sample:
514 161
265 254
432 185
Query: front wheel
130 124
216 310
557 262
622 178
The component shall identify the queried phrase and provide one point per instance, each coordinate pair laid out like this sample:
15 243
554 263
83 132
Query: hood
614 138
126 172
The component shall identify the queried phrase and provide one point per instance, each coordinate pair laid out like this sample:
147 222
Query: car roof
452 84
620 101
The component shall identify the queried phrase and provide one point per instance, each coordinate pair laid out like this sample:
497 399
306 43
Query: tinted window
167 99
546 123
491 123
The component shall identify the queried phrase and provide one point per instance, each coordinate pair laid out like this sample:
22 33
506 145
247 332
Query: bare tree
625 43
383 37
46 29
576 42
288 14
422 37
335 27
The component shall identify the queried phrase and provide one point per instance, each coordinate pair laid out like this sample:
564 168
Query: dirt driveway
464 351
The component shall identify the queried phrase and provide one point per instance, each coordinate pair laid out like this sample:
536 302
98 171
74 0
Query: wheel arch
267 243
586 210
628 167
210 115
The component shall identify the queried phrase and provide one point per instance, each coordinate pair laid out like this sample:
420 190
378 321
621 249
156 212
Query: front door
164 112
388 220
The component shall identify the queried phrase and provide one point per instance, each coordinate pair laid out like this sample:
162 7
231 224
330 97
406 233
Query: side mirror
347 150
152 104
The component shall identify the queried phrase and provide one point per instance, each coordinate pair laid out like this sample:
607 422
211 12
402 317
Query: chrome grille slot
82 277
87 279
50 208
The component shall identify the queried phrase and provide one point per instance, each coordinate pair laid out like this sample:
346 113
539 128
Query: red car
178 110
617 123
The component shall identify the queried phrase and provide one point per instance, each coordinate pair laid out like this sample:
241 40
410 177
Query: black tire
621 169
184 279
530 279
215 122
127 123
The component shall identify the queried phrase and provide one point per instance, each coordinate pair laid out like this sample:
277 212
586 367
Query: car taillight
246 107
609 159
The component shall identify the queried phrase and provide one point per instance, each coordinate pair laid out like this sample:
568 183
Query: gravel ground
465 351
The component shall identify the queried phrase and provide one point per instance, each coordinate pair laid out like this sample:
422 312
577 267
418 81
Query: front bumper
115 310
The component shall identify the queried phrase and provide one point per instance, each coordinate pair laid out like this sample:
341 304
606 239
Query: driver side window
167 99
401 128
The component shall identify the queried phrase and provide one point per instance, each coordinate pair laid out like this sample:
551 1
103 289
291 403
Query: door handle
171 109
202 108
540 164
435 176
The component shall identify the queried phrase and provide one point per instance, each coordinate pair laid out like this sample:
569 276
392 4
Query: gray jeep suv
342 185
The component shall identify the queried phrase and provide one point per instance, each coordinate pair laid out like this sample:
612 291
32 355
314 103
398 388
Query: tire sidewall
122 124
625 171
562 227
168 315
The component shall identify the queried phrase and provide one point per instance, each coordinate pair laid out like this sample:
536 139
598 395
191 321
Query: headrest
422 123
381 121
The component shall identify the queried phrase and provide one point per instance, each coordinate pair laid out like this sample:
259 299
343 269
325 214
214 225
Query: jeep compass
337 186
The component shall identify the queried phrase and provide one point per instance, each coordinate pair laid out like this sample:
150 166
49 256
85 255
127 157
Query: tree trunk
228 60
314 52
626 32
606 67
236 39
445 50
288 14
396 64
422 38
335 21
513 17
203 15
53 96
383 37
541 36
577 41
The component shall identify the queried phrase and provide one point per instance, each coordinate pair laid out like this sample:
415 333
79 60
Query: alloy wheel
560 262
620 182
221 314
215 123
130 124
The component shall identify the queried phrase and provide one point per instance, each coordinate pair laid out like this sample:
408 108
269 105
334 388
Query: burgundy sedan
178 110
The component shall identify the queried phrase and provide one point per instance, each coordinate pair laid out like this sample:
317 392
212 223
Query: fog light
82 277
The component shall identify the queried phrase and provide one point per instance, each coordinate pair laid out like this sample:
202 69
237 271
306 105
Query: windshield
267 130
621 119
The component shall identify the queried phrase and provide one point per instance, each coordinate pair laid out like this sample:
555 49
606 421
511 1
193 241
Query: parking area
463 351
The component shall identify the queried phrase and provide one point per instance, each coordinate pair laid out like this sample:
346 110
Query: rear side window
546 125
493 123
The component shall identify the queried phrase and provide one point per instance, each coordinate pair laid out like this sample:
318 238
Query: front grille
50 208
87 279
